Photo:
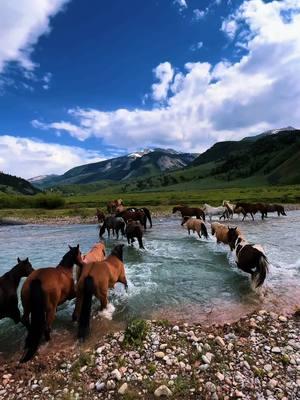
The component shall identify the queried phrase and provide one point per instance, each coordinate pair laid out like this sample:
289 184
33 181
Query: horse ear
235 228
18 259
26 259
70 247
77 246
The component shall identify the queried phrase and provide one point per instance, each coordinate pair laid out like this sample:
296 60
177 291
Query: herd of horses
44 289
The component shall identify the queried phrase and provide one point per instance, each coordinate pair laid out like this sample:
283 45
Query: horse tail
148 215
38 320
85 313
102 230
204 231
262 268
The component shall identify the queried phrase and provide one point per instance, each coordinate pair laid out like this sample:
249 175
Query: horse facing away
112 205
134 230
189 212
221 232
195 225
42 292
117 224
146 211
250 258
9 283
138 215
99 278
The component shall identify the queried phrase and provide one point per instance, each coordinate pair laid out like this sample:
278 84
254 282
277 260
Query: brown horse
133 230
145 210
189 212
42 292
99 277
221 232
275 208
97 253
250 208
250 258
112 205
195 225
9 283
100 215
134 215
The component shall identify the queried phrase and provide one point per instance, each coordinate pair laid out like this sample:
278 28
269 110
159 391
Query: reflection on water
177 276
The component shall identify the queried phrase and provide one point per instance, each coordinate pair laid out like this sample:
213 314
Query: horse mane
68 260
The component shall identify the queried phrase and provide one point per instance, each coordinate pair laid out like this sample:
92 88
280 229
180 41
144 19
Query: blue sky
82 81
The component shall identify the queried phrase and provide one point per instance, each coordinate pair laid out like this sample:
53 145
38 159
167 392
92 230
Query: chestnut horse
9 283
99 277
138 215
42 292
221 232
112 205
189 212
100 215
146 211
195 225
97 253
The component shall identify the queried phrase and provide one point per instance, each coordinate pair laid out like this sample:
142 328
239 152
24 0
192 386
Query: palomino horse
9 283
250 258
230 208
221 232
146 211
250 208
195 225
189 212
42 292
99 277
97 253
100 215
134 230
117 224
112 205
212 211
134 215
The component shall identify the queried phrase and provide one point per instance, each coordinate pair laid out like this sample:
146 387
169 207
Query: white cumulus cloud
204 103
22 22
29 157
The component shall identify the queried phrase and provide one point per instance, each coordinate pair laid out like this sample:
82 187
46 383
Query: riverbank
76 216
257 357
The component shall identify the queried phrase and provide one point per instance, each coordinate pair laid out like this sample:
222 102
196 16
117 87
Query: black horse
146 212
133 230
9 283
250 257
116 224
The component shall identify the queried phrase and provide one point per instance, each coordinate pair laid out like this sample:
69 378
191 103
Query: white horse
212 211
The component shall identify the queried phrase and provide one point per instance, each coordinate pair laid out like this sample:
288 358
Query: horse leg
77 308
25 318
102 296
189 231
252 216
50 315
199 234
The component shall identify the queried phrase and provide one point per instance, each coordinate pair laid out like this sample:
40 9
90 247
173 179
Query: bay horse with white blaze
9 283
43 291
189 212
99 278
250 258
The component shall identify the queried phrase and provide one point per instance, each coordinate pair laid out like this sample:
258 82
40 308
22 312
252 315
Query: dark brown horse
100 215
250 258
189 212
43 291
9 283
146 211
251 208
134 230
138 215
275 208
99 277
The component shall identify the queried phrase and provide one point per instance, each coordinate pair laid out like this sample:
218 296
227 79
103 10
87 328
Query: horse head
73 256
118 251
232 236
25 267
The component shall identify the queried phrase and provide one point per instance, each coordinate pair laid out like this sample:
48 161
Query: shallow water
176 277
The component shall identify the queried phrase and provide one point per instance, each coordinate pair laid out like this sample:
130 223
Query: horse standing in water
212 211
99 278
250 258
195 225
116 224
133 215
100 215
9 283
221 232
275 208
145 210
251 208
134 230
189 212
112 205
43 291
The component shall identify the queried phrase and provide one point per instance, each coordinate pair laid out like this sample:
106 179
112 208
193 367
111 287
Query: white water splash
108 312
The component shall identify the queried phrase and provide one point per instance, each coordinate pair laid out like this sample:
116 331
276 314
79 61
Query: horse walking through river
43 291
213 211
9 283
220 231
250 258
189 212
195 225
99 278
